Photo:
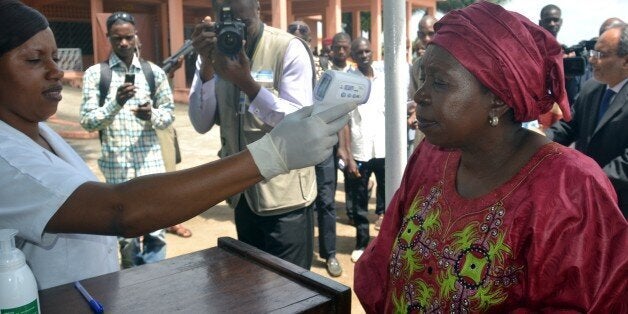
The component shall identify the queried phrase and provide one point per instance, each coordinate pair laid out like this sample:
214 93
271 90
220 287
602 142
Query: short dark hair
302 28
340 36
119 17
550 7
359 40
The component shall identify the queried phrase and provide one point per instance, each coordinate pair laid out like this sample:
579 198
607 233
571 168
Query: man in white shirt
365 145
252 90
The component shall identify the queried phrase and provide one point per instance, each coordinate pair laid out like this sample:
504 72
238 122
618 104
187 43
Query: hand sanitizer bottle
18 288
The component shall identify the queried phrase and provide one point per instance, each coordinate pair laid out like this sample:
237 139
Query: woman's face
30 84
453 106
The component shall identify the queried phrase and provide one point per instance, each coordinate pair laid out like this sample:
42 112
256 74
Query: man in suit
600 114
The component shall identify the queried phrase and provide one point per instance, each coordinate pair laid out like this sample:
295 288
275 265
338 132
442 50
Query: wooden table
231 278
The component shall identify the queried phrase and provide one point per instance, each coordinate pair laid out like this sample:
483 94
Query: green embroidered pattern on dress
469 270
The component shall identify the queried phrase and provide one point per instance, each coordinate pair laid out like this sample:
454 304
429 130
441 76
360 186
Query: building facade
163 25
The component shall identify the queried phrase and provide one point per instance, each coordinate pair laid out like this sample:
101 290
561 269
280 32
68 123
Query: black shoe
333 267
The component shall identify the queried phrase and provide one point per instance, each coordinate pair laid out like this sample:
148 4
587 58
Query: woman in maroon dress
491 217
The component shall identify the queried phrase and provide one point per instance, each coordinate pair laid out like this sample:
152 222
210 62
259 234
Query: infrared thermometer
336 88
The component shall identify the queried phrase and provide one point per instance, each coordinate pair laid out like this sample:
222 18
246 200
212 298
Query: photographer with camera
600 113
249 77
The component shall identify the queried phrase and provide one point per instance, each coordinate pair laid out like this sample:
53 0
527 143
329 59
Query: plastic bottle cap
10 256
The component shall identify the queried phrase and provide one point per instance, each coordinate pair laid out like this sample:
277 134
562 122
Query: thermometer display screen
323 85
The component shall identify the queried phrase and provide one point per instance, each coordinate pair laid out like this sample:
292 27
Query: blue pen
95 305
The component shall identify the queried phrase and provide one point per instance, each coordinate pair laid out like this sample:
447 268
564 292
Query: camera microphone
172 60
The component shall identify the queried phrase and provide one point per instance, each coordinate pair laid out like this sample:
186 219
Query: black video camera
575 66
230 33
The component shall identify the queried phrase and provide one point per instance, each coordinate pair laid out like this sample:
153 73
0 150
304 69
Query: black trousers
288 236
357 191
326 174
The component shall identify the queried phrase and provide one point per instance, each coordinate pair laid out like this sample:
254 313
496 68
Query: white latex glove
299 140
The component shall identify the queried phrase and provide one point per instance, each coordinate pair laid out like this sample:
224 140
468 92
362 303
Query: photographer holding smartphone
127 121
255 75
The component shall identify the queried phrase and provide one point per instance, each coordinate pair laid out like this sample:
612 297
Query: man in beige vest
247 94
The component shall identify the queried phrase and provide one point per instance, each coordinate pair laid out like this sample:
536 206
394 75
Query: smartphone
129 78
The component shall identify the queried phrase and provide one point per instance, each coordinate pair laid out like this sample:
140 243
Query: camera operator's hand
125 92
237 70
204 42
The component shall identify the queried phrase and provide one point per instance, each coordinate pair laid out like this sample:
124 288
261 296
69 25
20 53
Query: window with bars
74 35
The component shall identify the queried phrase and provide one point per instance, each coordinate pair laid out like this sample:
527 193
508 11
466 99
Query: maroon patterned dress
551 238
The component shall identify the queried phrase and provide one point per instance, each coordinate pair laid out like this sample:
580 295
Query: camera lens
229 42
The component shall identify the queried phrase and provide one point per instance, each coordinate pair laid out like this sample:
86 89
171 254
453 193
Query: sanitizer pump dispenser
18 288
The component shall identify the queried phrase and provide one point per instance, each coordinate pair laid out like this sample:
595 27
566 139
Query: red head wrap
327 42
517 60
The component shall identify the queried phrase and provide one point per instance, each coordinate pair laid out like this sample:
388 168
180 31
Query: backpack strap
105 81
150 78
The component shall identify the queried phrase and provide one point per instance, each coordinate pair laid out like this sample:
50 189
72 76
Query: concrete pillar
175 26
376 28
290 15
357 28
280 14
96 7
164 21
333 18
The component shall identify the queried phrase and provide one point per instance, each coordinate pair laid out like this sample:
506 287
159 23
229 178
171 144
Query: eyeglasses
298 27
120 16
123 16
599 54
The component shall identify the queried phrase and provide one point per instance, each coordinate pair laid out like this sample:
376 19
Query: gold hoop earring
493 121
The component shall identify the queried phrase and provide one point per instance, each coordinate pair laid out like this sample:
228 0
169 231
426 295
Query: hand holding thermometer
336 87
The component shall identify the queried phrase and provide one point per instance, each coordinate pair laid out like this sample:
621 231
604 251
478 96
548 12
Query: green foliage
445 6
348 19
